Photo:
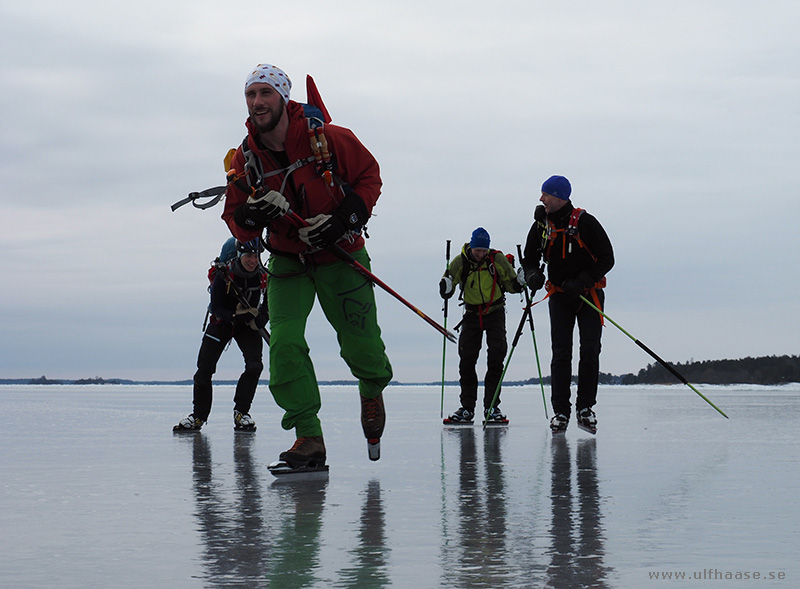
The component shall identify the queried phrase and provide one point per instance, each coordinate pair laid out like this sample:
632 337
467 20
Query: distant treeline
767 370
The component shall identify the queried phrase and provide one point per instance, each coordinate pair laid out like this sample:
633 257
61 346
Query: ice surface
97 491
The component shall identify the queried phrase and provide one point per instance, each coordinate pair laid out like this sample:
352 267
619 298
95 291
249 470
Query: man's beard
273 121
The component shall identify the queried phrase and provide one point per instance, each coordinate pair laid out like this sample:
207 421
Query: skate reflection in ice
371 555
232 529
494 520
477 555
294 561
576 531
246 545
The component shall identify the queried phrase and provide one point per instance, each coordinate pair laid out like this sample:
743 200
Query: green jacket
483 284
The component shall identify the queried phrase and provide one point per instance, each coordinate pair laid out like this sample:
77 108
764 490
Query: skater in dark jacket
231 319
578 255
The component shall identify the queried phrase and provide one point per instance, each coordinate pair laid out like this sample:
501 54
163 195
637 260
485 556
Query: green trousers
348 301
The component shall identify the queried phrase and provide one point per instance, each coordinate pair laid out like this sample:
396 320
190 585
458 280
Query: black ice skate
587 420
242 422
495 418
460 417
558 423
188 424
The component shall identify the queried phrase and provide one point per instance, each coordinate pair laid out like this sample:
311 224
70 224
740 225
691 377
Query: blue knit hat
557 186
480 239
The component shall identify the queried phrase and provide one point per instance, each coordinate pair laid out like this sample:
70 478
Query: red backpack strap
573 219
572 230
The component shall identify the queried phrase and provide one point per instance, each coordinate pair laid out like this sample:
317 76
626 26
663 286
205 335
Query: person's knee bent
253 367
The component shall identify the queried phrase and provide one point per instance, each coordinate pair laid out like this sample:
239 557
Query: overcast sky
676 122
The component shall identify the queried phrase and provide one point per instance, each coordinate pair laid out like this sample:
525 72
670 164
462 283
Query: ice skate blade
587 428
182 430
447 421
283 471
558 432
244 430
495 423
374 450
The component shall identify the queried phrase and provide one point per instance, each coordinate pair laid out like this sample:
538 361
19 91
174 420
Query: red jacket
306 191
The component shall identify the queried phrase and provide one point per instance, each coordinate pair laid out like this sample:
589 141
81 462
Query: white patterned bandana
272 75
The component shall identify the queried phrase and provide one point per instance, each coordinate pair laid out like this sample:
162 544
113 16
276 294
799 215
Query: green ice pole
678 375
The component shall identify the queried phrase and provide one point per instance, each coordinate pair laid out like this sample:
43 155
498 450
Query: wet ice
97 490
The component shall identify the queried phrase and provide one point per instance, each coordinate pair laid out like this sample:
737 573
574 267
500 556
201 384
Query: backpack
491 268
570 231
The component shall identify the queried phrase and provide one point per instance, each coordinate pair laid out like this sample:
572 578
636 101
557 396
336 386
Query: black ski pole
444 339
663 363
517 335
533 333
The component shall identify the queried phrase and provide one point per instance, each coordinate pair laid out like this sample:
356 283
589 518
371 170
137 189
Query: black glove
261 321
248 216
577 286
260 211
535 279
539 214
324 230
446 289
573 288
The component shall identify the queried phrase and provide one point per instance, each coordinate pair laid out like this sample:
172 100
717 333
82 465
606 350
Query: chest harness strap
570 234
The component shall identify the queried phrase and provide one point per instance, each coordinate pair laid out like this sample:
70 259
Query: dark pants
563 313
469 347
215 339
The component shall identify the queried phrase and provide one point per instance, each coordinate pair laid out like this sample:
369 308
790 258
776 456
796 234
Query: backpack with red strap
570 233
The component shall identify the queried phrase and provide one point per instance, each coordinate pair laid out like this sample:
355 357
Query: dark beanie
480 239
557 186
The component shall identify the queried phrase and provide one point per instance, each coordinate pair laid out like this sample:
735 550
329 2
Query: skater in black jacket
578 255
231 319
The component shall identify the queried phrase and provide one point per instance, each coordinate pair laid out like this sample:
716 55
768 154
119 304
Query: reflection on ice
231 525
576 554
294 559
474 554
104 490
369 558
486 548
